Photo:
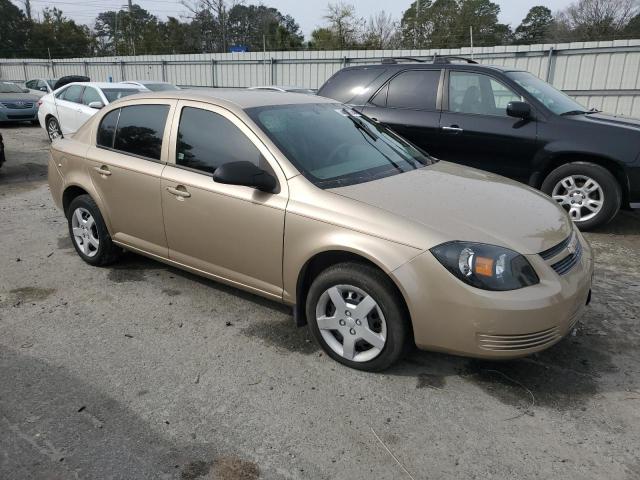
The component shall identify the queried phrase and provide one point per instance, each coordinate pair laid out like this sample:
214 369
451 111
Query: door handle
179 191
453 129
103 170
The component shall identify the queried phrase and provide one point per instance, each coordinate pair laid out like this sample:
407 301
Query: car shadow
627 222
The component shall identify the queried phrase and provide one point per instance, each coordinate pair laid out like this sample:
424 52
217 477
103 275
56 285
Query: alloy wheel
351 323
580 195
53 129
85 232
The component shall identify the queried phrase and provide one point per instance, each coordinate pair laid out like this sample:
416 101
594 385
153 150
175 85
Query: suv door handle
179 191
103 170
453 129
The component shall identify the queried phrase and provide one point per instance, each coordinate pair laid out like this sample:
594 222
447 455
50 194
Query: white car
40 86
65 110
152 85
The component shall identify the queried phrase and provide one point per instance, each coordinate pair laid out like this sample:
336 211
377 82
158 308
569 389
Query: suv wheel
53 129
589 192
355 315
89 233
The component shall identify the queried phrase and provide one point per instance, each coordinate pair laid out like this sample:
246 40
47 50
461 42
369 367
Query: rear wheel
356 316
53 129
588 192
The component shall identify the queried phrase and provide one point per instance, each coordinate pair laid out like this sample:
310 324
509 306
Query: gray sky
308 13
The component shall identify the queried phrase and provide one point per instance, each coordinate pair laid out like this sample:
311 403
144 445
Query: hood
459 203
610 120
17 97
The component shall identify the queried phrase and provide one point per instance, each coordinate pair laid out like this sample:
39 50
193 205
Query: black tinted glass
73 93
140 130
207 140
349 83
114 94
414 89
107 128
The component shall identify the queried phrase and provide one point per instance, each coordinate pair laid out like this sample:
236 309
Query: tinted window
107 128
207 140
90 95
345 148
380 100
72 94
140 130
555 100
347 84
114 94
478 94
416 89
31 84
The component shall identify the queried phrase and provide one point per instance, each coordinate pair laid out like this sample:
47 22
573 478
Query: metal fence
604 75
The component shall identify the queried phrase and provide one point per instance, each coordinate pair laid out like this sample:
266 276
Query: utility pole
471 35
417 28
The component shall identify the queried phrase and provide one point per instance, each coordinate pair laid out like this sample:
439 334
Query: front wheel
356 316
588 192
53 129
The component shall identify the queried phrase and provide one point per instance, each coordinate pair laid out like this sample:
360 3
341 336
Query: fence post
53 69
273 71
86 68
164 70
24 67
550 67
213 72
122 77
345 62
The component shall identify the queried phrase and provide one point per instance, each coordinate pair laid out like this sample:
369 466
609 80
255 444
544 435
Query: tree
345 25
323 38
59 36
255 25
632 30
535 26
128 32
381 32
588 20
14 28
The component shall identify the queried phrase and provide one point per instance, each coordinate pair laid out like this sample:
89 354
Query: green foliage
60 36
14 28
535 26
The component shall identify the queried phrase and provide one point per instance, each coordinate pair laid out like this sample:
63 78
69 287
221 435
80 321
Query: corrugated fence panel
604 75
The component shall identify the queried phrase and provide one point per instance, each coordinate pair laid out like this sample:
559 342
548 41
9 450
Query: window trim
446 105
387 85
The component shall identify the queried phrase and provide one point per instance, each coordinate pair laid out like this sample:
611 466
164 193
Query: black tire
611 190
376 284
52 123
107 252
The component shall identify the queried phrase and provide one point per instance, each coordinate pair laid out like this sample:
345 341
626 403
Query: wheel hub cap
85 232
580 195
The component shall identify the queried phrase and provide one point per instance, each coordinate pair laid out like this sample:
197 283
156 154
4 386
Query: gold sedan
375 244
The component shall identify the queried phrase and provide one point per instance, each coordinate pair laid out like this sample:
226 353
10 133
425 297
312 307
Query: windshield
114 94
555 100
9 88
334 146
160 87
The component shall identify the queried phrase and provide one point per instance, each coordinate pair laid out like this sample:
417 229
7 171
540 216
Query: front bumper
18 114
451 316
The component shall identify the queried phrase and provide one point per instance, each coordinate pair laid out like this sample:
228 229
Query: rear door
409 104
475 128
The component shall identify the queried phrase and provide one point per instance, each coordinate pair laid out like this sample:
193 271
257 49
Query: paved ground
143 371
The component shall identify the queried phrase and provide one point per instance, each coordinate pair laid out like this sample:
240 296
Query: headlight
486 266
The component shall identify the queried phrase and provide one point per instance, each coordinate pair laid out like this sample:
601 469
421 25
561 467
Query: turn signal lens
484 266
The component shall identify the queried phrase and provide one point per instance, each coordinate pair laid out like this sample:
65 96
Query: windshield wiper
573 112
593 110
360 125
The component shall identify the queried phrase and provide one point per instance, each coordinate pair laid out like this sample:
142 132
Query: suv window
107 129
31 84
347 84
140 130
90 95
416 89
207 140
480 94
72 94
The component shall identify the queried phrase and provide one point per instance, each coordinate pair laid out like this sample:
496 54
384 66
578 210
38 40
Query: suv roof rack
451 59
394 60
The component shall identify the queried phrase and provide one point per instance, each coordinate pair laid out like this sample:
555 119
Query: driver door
233 233
67 107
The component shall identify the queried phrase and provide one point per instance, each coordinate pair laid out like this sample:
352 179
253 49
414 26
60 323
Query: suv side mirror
245 174
96 105
519 110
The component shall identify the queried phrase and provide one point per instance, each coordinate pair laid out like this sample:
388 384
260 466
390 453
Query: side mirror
245 174
43 89
519 110
96 105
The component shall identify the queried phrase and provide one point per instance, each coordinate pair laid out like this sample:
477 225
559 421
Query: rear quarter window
347 84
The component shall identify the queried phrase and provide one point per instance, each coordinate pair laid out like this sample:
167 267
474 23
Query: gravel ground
142 371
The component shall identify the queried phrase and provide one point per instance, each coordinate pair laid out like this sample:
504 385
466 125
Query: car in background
2 159
505 121
280 88
17 104
153 85
66 109
40 86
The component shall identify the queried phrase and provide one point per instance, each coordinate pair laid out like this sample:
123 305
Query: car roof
412 65
240 98
142 82
103 84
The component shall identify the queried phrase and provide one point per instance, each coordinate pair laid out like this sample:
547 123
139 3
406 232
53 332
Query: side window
90 95
41 86
107 129
380 100
72 94
347 84
140 130
478 94
207 140
30 84
416 89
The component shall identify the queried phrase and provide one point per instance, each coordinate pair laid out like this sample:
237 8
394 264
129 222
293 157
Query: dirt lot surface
141 371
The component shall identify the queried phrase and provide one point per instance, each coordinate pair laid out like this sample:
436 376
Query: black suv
505 121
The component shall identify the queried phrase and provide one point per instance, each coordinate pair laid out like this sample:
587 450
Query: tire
388 319
569 184
89 233
53 126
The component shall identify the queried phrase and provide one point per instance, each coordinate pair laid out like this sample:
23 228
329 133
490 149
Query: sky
308 13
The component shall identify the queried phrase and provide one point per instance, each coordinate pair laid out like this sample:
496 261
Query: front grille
553 251
567 263
511 343
18 106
